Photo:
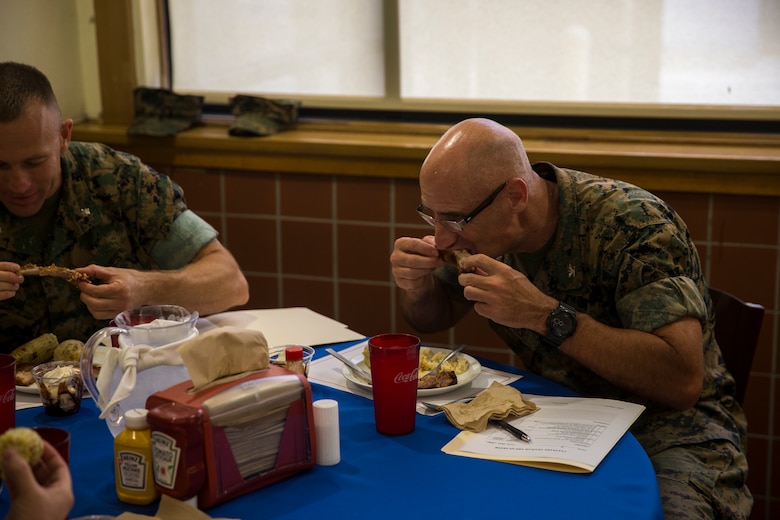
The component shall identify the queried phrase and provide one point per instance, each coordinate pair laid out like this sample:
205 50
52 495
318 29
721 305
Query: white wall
57 37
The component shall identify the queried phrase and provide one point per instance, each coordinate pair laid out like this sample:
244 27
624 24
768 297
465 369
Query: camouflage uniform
111 210
625 258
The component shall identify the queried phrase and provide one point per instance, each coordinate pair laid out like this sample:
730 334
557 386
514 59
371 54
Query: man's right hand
413 261
9 280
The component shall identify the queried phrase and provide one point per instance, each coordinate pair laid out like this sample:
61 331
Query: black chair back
737 326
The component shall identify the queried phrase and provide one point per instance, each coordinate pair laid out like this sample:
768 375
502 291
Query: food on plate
24 375
68 350
41 350
455 257
440 379
36 351
70 275
428 360
25 441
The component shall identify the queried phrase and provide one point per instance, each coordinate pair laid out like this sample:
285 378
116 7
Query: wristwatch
561 323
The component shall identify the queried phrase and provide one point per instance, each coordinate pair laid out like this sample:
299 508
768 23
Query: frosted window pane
713 52
312 47
637 51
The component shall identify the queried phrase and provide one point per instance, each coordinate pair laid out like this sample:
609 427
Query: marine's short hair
19 85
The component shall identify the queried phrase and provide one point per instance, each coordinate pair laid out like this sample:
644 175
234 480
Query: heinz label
165 455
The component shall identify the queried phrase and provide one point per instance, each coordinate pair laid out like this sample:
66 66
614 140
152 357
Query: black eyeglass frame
458 225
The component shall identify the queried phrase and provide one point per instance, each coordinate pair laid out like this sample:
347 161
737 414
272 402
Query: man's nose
444 237
14 177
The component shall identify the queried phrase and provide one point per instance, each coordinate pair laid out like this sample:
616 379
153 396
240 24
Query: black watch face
561 323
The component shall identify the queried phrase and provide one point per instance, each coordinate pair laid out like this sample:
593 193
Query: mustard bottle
133 460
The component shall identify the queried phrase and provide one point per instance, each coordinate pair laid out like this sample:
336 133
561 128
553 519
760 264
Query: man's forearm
212 282
430 310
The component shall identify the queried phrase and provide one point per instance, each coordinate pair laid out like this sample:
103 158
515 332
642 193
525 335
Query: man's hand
44 492
504 295
413 261
9 280
116 293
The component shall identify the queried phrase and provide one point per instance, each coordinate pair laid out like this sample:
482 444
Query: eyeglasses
458 225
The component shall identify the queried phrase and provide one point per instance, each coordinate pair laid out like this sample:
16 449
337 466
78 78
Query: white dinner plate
31 389
463 379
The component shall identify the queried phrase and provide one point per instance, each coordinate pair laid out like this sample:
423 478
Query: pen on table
517 432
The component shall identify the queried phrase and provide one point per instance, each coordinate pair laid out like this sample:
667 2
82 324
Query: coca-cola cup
394 363
7 392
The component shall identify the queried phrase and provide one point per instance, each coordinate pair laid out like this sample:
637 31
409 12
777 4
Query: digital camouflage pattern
258 116
111 210
162 113
625 258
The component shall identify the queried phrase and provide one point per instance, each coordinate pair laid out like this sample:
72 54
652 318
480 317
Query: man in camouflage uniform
626 264
86 206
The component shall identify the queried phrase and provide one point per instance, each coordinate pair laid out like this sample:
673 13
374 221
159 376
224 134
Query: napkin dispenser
233 437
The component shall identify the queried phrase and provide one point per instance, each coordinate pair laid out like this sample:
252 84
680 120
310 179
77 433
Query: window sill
746 164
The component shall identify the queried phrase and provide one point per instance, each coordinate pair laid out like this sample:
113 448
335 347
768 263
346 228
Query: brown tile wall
323 242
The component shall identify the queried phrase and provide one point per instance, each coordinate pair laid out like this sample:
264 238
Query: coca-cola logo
400 377
9 396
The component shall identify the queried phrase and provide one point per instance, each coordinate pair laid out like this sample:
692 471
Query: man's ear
517 189
65 134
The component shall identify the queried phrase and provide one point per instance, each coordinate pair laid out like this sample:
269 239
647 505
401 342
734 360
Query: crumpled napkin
170 509
223 352
497 402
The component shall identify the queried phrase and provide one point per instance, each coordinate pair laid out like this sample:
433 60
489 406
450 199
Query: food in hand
70 275
25 441
36 351
456 258
68 350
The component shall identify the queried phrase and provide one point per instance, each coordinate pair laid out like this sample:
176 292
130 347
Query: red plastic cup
395 359
57 437
7 392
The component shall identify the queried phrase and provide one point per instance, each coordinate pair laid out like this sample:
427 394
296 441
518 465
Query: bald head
476 153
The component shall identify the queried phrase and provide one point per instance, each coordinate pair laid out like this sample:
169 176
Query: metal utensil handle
353 367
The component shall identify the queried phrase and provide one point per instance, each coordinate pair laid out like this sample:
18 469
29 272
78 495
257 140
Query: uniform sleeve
188 234
661 303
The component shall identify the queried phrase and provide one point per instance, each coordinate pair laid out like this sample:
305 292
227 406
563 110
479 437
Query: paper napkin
497 402
222 352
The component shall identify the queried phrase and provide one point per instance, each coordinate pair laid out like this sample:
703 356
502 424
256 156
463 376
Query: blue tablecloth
389 477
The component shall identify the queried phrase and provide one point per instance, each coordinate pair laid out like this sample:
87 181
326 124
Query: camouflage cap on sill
161 113
261 116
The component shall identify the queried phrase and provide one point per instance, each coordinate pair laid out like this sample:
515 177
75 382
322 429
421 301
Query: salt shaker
326 425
